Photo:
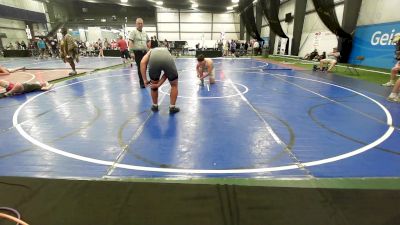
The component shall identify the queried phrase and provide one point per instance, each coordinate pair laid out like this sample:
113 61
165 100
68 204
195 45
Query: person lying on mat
4 71
21 88
204 68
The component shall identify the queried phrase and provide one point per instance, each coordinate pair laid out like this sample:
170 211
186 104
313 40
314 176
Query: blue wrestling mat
257 121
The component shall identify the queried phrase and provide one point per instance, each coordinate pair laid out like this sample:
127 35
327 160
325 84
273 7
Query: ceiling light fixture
124 1
159 2
229 8
195 5
235 1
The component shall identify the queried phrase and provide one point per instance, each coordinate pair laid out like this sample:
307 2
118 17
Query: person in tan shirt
69 50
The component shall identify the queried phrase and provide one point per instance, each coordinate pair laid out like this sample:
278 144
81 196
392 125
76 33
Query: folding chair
356 63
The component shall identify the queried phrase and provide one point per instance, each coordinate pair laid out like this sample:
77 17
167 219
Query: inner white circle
213 97
386 135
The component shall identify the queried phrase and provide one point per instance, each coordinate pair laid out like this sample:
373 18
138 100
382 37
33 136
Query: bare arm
198 70
210 67
204 76
16 69
160 82
148 44
4 71
63 48
130 44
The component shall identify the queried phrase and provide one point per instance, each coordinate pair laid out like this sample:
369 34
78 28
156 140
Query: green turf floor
369 76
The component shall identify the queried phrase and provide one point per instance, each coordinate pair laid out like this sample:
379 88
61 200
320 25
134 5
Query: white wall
30 5
379 11
310 4
109 35
264 27
196 17
325 40
168 17
196 27
168 27
226 18
94 33
15 31
169 36
39 29
195 36
316 34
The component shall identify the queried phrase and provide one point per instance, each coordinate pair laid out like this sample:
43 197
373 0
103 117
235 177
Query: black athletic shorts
31 87
167 66
125 54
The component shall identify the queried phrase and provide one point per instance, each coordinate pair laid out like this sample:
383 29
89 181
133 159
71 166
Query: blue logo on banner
374 42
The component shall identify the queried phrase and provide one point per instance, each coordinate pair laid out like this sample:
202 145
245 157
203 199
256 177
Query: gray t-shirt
334 55
139 39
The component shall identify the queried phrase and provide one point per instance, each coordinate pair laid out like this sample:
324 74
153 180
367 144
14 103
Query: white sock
393 95
172 106
155 104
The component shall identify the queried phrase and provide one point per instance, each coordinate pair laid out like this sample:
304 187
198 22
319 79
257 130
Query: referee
139 42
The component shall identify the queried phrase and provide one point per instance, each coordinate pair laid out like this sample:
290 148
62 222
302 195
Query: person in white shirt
139 44
331 59
256 47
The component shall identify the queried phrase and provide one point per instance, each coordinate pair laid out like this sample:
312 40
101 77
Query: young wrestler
160 60
204 68
21 88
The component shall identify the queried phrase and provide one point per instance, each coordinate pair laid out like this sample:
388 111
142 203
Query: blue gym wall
374 43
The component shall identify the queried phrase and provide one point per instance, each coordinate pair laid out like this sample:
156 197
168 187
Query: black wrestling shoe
173 110
315 68
154 108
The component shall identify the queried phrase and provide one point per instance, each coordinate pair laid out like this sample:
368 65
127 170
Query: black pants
138 58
